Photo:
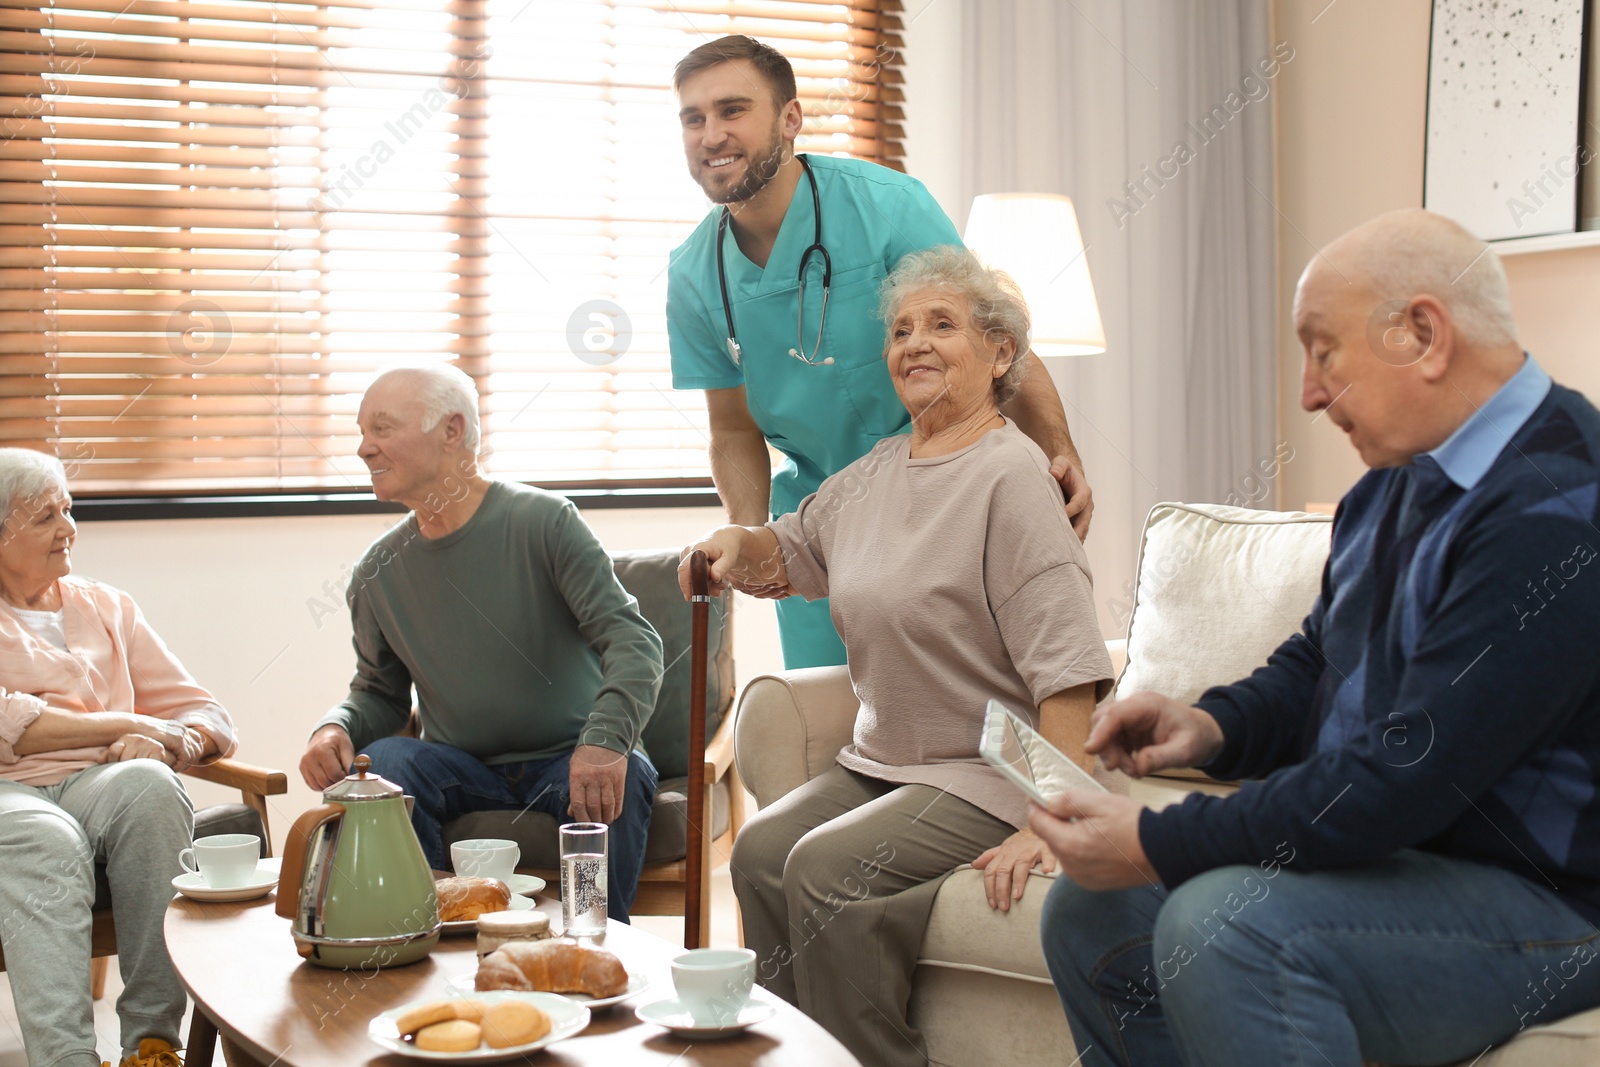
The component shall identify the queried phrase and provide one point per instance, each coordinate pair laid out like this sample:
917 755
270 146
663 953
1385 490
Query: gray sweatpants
133 816
835 884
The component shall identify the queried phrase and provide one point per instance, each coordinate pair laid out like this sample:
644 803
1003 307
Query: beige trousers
835 885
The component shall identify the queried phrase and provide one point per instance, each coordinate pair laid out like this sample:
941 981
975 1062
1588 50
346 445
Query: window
223 216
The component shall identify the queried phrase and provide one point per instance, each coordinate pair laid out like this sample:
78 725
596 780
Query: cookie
514 1022
438 1011
456 1035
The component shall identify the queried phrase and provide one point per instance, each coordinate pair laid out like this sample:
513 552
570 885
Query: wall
1352 111
255 609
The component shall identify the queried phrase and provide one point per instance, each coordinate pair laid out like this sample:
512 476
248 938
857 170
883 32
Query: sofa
1217 589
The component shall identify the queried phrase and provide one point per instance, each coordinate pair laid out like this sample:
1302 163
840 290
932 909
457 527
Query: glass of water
583 879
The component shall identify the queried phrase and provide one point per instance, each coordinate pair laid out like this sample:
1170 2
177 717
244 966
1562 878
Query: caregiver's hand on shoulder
1080 498
1005 867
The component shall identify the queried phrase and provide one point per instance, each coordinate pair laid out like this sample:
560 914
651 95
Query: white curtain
1078 97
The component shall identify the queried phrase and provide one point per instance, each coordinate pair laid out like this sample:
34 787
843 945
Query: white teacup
485 857
225 861
714 983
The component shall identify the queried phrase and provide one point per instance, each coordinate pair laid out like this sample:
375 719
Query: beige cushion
1570 1042
1218 589
975 1019
964 932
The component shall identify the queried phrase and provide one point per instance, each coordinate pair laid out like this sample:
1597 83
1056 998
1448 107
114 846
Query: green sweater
514 629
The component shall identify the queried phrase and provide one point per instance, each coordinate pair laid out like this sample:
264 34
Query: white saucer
566 1019
466 985
470 926
526 884
675 1017
263 882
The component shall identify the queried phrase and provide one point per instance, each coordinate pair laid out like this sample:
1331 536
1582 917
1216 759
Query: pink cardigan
114 662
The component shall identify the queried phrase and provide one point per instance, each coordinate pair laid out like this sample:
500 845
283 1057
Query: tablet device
1023 755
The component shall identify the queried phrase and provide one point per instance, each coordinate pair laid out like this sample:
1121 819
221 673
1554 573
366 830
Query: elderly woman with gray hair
954 577
96 715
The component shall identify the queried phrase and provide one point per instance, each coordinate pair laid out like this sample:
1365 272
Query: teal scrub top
821 418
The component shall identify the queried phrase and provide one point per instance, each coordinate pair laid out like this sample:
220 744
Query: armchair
652 578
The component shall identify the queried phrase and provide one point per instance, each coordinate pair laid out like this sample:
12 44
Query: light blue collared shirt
1467 454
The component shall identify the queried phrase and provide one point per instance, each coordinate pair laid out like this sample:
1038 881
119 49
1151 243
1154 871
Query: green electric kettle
355 881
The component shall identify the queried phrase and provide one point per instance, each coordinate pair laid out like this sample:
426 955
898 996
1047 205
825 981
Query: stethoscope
827 281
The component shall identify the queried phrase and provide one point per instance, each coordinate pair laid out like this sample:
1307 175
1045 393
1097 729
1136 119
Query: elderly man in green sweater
534 670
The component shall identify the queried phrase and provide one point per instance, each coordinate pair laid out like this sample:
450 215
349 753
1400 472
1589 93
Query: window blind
222 218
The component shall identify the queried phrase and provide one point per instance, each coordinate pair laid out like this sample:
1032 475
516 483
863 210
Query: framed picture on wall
1505 153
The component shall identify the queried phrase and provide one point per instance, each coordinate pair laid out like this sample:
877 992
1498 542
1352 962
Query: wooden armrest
255 785
719 749
245 777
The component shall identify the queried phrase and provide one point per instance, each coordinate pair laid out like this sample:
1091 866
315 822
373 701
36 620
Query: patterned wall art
1504 154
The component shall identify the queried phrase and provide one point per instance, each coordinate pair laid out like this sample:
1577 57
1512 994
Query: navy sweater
1444 693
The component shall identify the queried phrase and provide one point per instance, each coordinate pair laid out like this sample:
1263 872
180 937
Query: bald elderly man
534 670
1355 900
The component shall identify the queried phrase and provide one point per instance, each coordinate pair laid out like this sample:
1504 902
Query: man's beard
758 174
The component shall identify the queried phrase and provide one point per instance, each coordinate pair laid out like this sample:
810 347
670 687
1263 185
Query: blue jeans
1417 959
448 783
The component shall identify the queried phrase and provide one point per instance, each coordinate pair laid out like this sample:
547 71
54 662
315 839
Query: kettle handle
295 851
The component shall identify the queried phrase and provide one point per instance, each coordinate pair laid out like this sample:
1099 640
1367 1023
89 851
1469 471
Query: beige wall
1351 117
255 609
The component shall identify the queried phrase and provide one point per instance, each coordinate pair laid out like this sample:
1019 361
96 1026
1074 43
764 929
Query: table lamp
1034 238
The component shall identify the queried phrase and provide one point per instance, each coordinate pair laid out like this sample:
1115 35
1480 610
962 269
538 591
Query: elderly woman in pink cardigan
96 716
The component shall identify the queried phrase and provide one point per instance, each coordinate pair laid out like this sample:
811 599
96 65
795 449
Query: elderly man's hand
1080 498
597 781
1005 867
327 758
1149 732
1095 837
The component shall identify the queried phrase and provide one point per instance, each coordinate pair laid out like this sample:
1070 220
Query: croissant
552 967
468 898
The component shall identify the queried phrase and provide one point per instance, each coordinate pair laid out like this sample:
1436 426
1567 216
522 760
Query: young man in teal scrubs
809 379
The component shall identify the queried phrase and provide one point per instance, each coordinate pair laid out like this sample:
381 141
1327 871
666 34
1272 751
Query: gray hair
443 391
1409 252
26 475
993 298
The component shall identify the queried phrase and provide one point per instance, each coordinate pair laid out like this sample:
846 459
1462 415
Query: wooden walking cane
696 903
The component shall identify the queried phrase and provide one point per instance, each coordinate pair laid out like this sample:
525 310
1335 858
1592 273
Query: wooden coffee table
240 966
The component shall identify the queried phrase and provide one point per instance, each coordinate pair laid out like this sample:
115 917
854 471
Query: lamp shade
1034 238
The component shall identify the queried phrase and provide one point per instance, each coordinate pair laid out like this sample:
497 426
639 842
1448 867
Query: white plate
265 881
526 884
470 926
464 985
676 1017
566 1019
